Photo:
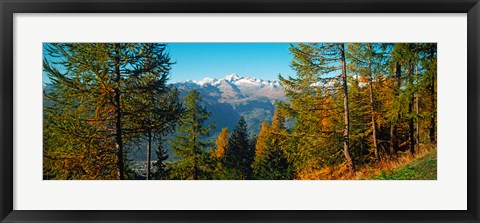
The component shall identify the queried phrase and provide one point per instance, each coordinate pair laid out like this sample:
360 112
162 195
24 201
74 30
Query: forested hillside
351 109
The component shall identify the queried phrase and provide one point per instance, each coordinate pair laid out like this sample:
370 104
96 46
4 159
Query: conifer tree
395 109
239 153
406 55
322 72
190 143
366 60
270 162
161 109
91 84
218 154
429 82
261 146
161 172
222 143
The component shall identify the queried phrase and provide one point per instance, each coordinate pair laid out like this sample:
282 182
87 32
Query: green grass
423 168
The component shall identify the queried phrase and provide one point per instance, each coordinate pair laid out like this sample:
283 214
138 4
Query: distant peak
232 77
235 79
206 80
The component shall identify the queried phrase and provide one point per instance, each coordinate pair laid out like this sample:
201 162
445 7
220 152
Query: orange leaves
222 143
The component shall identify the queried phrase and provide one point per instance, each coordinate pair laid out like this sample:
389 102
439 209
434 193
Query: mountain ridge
233 96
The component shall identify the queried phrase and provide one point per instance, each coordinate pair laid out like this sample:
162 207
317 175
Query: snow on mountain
233 96
232 77
234 87
206 80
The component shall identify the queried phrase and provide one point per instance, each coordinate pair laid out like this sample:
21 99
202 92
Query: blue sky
194 61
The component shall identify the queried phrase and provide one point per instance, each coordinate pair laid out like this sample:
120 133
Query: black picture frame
9 8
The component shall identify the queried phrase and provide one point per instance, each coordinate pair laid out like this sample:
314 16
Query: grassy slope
422 168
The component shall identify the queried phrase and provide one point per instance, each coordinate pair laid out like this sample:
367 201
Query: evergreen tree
315 104
161 171
406 58
270 161
92 85
428 86
239 153
190 143
366 61
161 111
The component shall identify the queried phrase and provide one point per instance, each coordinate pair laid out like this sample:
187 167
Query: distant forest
353 111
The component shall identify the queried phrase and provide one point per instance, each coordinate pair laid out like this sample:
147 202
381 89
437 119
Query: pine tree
406 55
270 162
366 60
239 153
428 60
91 84
321 80
190 143
161 172
161 111
395 109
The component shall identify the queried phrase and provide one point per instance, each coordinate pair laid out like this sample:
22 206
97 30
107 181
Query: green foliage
239 153
98 96
190 144
396 74
424 168
361 99
273 166
316 106
270 162
161 172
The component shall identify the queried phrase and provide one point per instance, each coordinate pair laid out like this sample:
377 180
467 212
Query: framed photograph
246 111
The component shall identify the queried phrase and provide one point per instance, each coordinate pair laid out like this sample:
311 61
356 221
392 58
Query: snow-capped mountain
233 88
232 96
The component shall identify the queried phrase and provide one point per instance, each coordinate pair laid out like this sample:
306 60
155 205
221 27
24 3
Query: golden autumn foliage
222 143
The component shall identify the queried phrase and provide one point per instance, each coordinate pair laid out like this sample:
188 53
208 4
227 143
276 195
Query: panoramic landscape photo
239 111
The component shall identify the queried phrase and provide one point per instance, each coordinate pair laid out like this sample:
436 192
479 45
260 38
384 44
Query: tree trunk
195 161
346 111
411 128
372 107
149 149
195 166
393 126
433 138
118 118
417 120
393 139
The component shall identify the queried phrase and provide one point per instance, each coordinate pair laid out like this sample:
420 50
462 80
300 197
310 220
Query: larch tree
270 162
218 154
239 153
429 82
158 110
366 60
190 143
221 144
394 110
261 147
323 65
93 82
406 54
161 172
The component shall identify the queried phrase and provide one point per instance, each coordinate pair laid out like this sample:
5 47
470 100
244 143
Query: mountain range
233 96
